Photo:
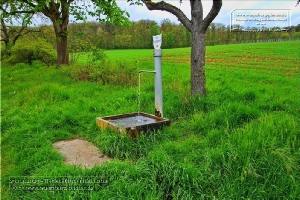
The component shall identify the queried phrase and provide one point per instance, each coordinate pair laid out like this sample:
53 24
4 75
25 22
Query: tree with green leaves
10 33
59 12
14 28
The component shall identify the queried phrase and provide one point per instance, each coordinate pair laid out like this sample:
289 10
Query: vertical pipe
157 53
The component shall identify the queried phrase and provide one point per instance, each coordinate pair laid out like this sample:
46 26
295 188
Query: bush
107 72
99 68
296 35
26 52
95 55
76 47
285 36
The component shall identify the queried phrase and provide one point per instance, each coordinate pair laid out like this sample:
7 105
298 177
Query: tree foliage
82 37
13 28
103 10
59 11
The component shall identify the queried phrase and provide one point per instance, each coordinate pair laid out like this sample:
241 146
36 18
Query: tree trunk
60 20
198 30
198 80
62 49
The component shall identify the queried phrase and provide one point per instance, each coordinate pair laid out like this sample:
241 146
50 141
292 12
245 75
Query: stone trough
133 123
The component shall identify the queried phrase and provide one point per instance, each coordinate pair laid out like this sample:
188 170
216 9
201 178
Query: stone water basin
132 123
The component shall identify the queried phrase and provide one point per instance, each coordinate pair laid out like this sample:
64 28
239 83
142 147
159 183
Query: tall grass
242 141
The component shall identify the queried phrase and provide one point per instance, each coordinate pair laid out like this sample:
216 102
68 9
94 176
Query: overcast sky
141 12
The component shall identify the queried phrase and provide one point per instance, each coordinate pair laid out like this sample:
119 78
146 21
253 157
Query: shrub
285 36
296 35
106 72
99 68
26 52
95 55
76 47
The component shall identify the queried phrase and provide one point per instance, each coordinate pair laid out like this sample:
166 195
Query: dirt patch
80 152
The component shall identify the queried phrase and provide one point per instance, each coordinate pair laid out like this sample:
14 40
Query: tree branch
17 12
20 34
163 6
196 9
65 12
29 3
214 11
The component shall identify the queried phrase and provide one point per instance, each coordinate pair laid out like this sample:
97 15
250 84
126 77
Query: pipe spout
147 71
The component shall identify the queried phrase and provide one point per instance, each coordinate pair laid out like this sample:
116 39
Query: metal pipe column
157 53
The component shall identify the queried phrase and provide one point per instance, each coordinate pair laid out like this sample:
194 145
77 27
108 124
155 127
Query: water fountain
134 123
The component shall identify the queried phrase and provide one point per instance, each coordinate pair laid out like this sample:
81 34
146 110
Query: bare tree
197 25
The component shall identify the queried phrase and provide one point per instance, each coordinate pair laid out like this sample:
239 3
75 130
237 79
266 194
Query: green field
242 141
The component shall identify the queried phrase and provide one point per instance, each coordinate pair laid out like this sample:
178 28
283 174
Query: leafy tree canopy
59 11
103 10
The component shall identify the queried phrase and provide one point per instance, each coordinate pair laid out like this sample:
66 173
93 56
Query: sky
266 7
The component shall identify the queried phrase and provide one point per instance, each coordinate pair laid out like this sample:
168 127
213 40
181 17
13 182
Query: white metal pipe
157 53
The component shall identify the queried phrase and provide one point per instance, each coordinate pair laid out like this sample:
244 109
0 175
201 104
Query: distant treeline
84 36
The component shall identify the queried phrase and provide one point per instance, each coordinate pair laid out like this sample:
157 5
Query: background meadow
241 141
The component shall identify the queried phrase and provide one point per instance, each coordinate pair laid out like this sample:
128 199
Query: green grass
242 141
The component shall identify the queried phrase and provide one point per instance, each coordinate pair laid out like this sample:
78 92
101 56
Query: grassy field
242 141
